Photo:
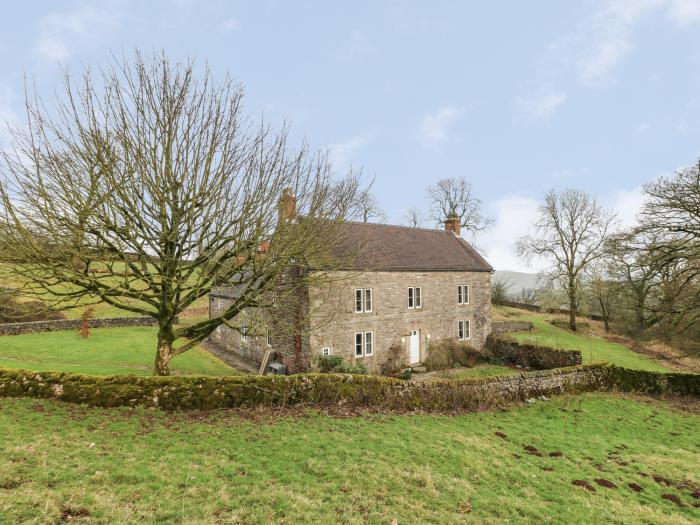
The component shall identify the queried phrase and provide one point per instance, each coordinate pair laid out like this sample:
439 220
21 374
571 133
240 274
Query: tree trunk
572 304
164 353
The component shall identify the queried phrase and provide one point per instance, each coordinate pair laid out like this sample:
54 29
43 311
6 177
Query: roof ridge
403 226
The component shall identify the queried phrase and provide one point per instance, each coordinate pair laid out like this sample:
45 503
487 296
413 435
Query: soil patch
605 483
501 435
532 450
635 487
583 484
555 454
672 497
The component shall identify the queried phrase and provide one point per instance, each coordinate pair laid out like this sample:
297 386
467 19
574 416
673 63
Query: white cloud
60 33
542 105
643 128
357 46
684 12
514 216
231 24
341 154
610 33
626 204
435 127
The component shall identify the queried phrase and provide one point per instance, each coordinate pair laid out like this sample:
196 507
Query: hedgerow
206 392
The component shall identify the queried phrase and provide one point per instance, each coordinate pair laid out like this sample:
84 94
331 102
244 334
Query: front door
414 347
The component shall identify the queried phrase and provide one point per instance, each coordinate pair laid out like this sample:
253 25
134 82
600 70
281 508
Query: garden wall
73 324
531 356
179 393
502 327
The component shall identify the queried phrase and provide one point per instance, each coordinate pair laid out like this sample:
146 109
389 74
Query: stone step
419 369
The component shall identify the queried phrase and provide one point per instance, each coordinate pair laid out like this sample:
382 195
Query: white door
414 347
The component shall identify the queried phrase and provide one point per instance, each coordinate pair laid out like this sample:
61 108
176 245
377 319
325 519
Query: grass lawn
592 347
107 351
60 462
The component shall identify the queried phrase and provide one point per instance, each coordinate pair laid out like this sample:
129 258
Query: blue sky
518 97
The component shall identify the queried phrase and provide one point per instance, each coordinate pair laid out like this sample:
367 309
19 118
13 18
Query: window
463 294
326 351
414 297
368 343
269 337
364 344
244 334
463 330
363 300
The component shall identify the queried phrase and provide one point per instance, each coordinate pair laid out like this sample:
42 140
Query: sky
517 97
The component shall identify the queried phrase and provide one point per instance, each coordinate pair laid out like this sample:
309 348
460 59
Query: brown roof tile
387 247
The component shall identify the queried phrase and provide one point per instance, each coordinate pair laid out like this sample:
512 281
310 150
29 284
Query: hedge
205 392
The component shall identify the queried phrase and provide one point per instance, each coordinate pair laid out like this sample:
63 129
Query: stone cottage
406 289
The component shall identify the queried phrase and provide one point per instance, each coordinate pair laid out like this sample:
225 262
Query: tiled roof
401 248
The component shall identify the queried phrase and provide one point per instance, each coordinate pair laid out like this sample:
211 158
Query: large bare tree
145 185
569 234
414 217
454 198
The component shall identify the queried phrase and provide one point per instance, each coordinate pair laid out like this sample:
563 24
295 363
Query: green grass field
107 351
592 347
483 370
61 463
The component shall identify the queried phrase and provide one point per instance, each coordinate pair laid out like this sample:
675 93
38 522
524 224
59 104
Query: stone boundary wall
502 327
522 306
531 356
449 395
73 324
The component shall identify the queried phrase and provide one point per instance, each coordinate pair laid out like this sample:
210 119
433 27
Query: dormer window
363 300
463 294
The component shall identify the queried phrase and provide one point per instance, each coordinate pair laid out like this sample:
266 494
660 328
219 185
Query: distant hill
519 280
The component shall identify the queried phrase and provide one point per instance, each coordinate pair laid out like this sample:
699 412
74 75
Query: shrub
406 375
329 364
395 361
449 352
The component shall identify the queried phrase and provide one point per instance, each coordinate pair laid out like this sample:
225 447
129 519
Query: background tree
569 234
414 217
454 197
149 186
368 208
500 290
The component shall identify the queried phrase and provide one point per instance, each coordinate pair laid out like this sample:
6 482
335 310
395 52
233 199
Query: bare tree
529 295
414 217
369 209
147 187
500 290
569 233
454 198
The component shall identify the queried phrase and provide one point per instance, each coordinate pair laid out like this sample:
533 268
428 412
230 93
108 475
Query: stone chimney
287 206
452 224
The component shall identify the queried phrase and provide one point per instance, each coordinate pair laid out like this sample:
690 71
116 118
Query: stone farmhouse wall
73 324
335 322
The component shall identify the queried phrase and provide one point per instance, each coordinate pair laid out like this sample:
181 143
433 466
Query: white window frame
463 293
245 338
415 297
268 339
363 295
464 330
326 351
369 343
363 346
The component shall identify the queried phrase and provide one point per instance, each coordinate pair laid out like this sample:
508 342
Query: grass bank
63 462
592 346
108 351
